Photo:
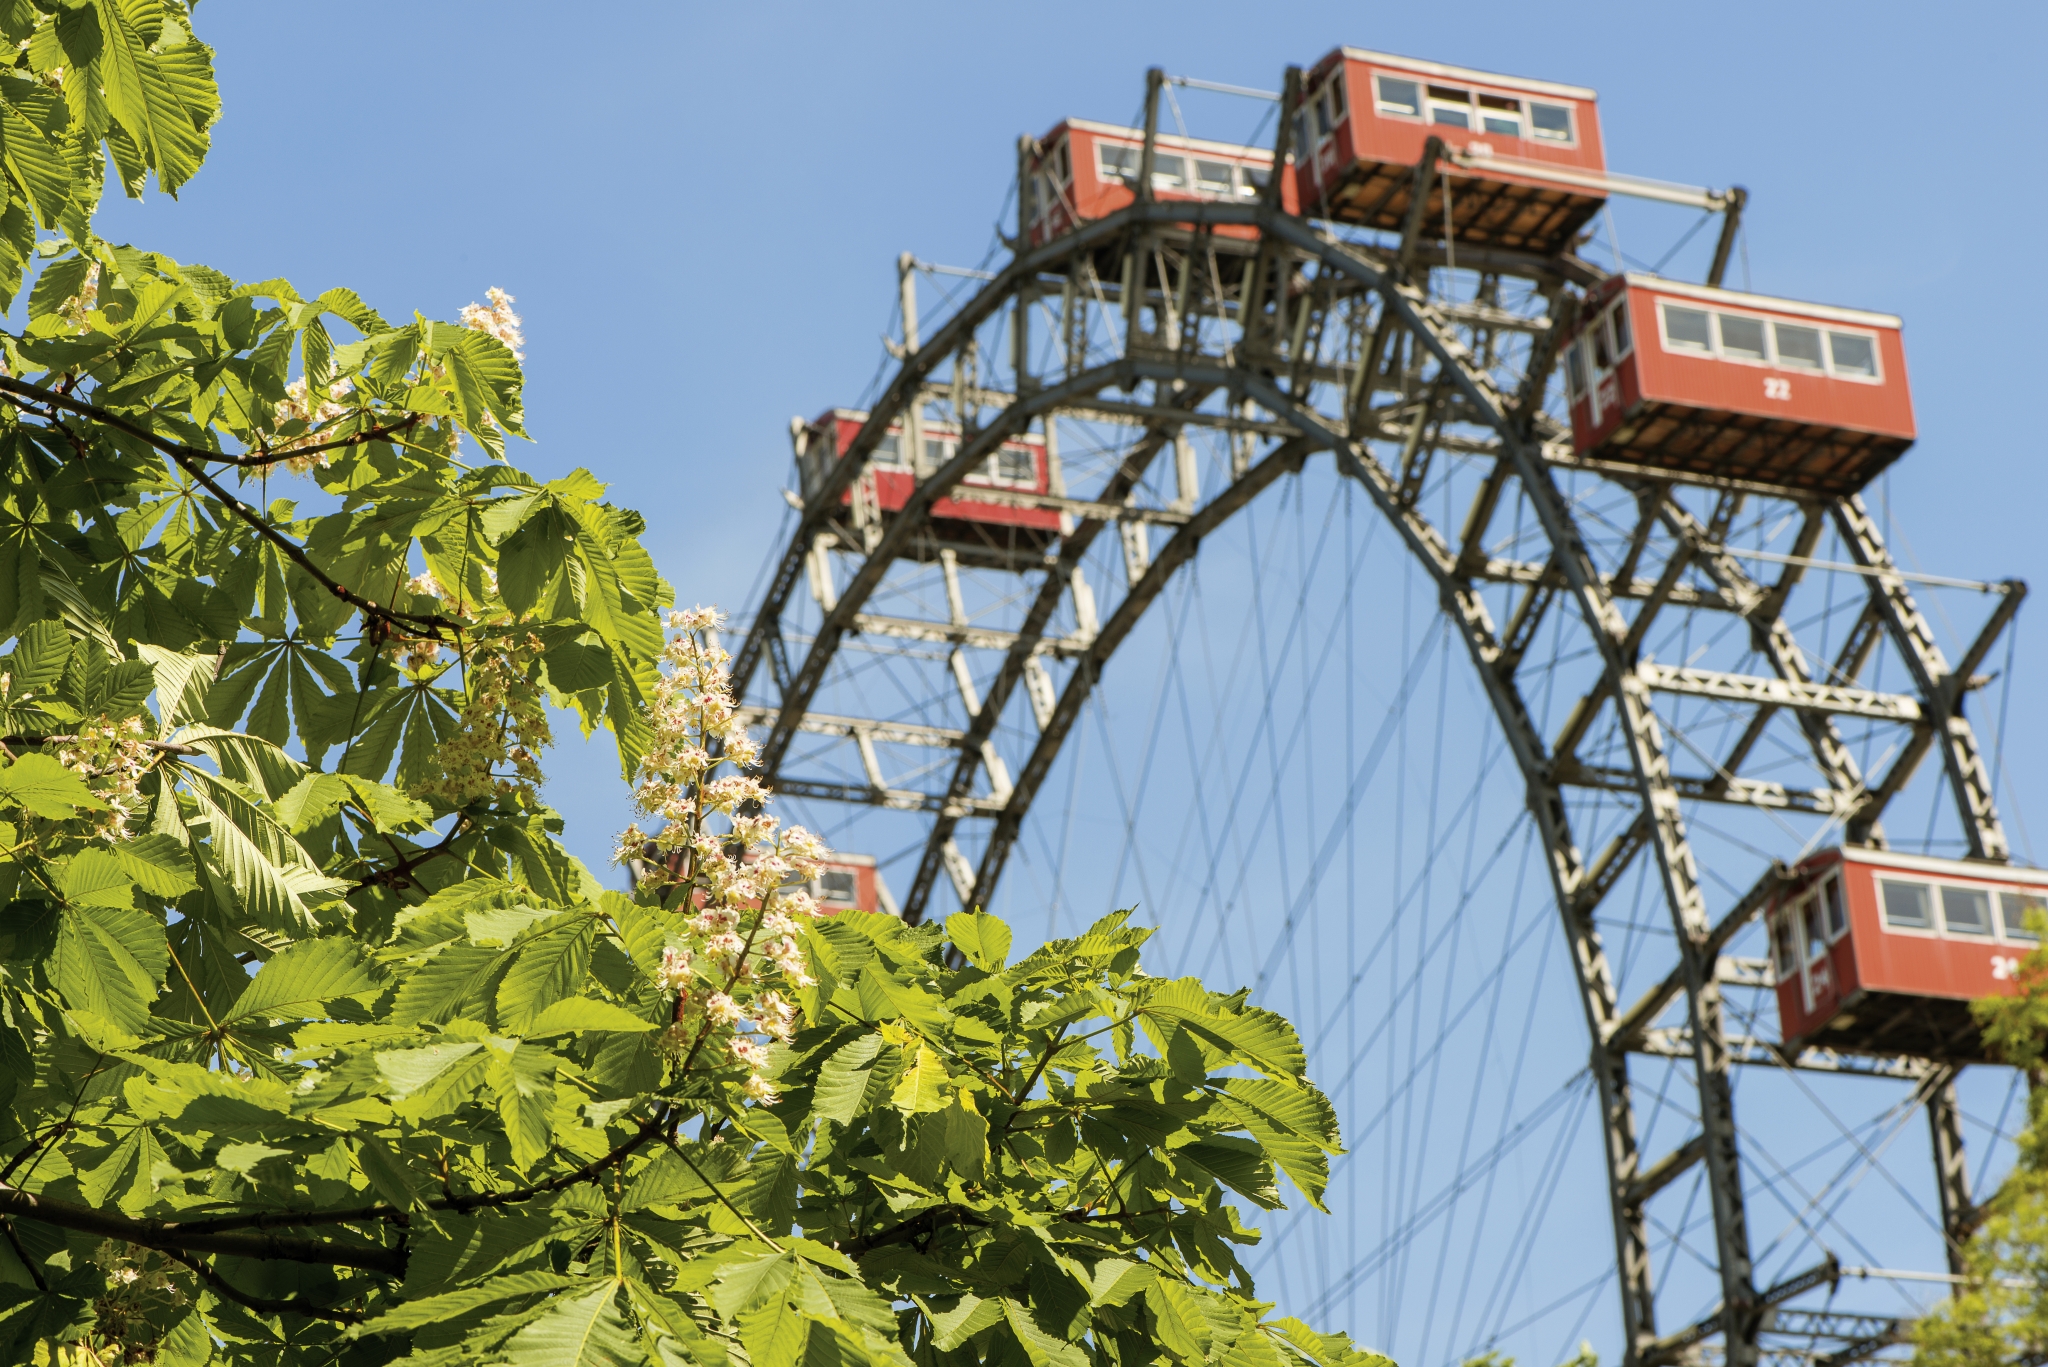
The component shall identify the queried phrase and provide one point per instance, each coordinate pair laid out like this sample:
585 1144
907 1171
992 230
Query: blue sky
699 210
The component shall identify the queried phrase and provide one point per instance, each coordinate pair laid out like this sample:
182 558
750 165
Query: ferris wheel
1624 514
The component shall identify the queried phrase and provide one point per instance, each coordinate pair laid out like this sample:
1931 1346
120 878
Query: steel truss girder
1676 1041
1777 693
1522 448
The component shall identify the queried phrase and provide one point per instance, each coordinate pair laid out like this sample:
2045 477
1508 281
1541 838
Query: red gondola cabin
1018 466
1714 383
848 882
1523 158
1085 170
1883 952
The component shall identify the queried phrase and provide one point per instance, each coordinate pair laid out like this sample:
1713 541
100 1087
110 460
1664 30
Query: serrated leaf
95 878
750 1282
157 863
111 961
298 982
576 1014
921 1088
1236 1163
437 1309
522 1086
971 1315
1183 1328
1293 1124
843 1081
260 860
580 1331
446 985
408 1071
551 965
1040 1347
981 937
39 783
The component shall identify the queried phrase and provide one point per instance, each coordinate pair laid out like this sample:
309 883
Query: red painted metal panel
1945 931
894 484
1370 131
1772 388
1524 166
1074 183
1720 382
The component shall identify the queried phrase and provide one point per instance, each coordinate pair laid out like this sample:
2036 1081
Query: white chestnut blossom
731 875
497 319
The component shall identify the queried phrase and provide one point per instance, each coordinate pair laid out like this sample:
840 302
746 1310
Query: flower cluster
733 877
502 729
140 1294
113 757
74 309
297 406
497 319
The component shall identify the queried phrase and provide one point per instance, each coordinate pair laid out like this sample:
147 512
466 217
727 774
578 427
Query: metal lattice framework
1137 343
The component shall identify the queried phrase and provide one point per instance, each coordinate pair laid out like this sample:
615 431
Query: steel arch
1261 362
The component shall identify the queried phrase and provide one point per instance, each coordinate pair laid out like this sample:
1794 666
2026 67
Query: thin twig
404 867
34 1273
266 457
161 746
189 459
7 1173
738 1214
260 1304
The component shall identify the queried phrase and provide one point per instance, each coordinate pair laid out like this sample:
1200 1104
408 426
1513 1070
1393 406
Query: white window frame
1834 879
852 901
1386 111
1481 110
1430 102
1800 367
1682 348
2002 894
1786 922
1571 122
1523 99
1577 382
981 478
1195 161
1803 945
1876 354
1770 360
1328 107
1004 482
1607 316
1932 930
897 459
1102 170
1990 914
1241 186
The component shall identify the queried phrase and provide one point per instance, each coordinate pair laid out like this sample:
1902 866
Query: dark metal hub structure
1422 364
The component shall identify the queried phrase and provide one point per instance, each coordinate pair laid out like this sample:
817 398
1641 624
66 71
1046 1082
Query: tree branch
179 1231
1023 1094
189 460
924 1222
280 456
162 746
34 1146
262 1305
268 456
397 873
166 1237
